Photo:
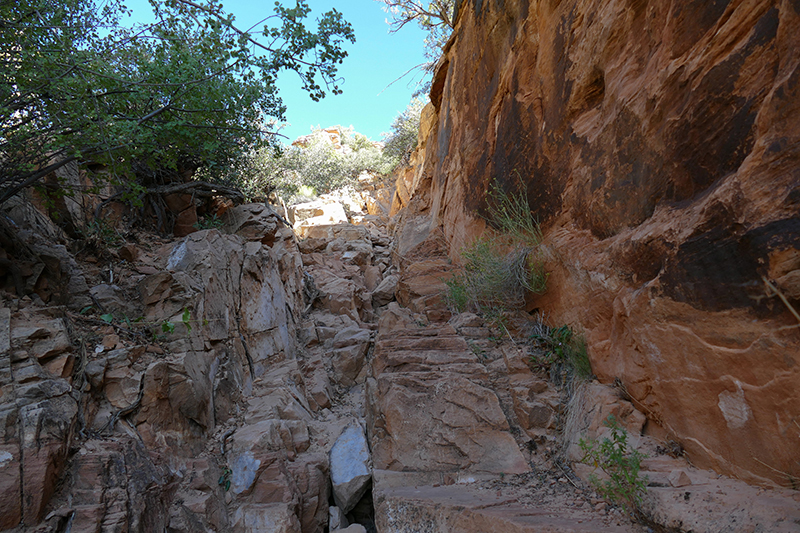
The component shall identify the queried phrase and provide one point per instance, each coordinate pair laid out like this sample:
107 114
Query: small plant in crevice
100 234
212 222
477 350
561 351
225 479
620 463
168 327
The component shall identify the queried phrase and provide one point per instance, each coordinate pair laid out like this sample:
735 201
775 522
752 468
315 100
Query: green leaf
185 318
108 318
167 327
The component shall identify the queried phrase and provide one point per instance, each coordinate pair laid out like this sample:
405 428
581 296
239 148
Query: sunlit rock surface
657 143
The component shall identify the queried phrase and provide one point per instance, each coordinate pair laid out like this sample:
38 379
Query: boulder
319 213
423 279
112 300
10 501
351 469
679 478
336 519
354 528
432 377
253 222
466 320
394 318
372 277
311 475
340 295
385 291
273 517
350 347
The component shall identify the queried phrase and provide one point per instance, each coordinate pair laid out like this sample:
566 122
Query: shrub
207 222
562 348
401 142
503 264
296 172
620 463
494 278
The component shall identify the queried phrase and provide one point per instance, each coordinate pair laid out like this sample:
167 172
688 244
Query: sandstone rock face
431 409
146 422
37 414
657 144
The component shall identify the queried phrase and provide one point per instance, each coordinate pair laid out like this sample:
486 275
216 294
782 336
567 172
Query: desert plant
511 216
298 173
401 142
562 347
621 463
189 89
457 295
212 222
100 234
503 264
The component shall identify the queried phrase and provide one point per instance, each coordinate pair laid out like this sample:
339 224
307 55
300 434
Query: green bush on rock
620 463
505 263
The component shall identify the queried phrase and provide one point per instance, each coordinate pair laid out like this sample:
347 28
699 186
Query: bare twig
125 411
775 292
117 327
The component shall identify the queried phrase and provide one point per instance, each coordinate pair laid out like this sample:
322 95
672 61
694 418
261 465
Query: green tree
401 142
436 17
189 90
317 165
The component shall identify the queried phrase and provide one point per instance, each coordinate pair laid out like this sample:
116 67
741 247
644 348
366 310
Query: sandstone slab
351 471
458 508
431 408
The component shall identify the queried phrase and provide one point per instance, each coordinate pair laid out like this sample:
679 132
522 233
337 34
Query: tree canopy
313 165
434 16
190 89
401 142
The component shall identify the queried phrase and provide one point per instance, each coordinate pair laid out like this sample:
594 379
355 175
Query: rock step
431 408
466 509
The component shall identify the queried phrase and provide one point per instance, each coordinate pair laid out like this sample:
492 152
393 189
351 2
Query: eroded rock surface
657 145
432 410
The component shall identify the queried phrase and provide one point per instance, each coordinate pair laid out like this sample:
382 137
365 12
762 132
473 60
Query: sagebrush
505 263
562 348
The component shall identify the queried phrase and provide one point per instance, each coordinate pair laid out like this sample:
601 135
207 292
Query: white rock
336 519
354 528
350 467
679 478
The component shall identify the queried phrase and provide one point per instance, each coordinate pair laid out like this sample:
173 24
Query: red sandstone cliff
660 146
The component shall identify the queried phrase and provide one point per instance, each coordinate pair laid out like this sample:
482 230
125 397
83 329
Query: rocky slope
657 143
262 378
275 385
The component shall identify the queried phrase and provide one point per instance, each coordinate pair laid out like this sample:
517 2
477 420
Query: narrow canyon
303 369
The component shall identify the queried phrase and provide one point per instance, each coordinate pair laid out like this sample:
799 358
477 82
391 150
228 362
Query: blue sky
375 60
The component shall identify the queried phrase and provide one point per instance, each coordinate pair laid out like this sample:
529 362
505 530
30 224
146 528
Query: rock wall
659 148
